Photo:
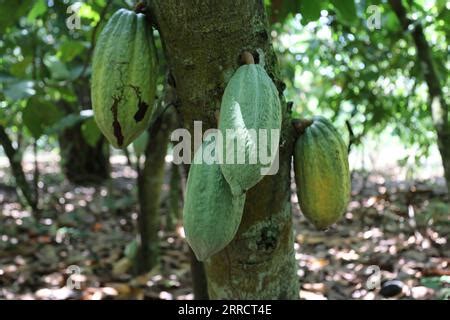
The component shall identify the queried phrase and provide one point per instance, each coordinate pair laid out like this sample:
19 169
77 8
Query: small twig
36 173
351 139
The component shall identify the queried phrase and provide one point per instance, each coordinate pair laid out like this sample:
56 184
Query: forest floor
392 243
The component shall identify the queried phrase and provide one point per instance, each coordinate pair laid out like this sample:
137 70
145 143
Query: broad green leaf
346 10
39 8
86 11
90 131
58 69
310 10
69 50
390 21
19 90
11 11
19 69
39 115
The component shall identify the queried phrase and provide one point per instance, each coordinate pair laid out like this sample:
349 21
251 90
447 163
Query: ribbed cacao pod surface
211 213
322 173
250 103
124 77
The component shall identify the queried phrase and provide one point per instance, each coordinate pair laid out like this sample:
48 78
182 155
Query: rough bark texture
150 182
82 163
202 41
16 168
437 104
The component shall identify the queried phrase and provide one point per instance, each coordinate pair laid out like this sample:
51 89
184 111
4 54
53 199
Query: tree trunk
150 181
175 194
202 40
199 282
82 163
437 105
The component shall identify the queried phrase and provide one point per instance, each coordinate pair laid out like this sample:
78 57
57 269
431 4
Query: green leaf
19 69
346 10
90 132
310 10
11 11
390 21
58 69
19 90
69 50
39 8
38 115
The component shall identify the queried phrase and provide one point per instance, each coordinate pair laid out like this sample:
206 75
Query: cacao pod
322 173
124 77
250 103
211 213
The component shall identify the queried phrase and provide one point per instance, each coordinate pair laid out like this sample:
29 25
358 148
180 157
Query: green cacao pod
211 213
250 103
322 173
124 77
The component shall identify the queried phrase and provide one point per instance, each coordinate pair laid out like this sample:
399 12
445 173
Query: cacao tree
259 262
366 72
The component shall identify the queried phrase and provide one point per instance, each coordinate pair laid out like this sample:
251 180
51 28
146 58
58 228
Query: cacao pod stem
301 124
247 58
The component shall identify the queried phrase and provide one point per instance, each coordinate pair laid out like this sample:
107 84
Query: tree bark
82 163
437 105
199 282
175 194
202 40
17 169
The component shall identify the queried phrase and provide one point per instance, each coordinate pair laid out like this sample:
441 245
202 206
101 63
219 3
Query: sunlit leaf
346 10
39 8
57 68
310 10
19 90
69 50
19 69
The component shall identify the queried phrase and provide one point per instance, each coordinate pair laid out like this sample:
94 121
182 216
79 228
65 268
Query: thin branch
16 168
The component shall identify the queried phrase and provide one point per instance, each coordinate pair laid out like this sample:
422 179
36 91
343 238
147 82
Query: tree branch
16 167
437 104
